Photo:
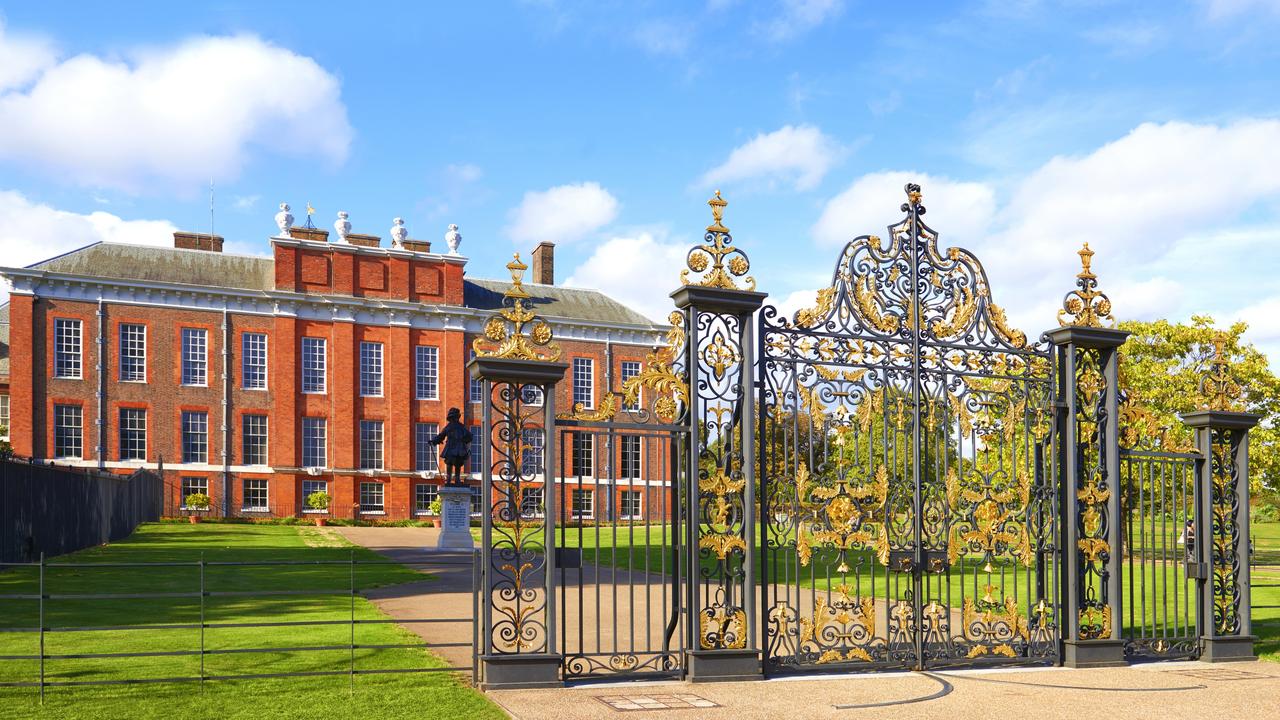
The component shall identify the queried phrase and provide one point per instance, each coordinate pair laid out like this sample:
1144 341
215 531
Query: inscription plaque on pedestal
455 521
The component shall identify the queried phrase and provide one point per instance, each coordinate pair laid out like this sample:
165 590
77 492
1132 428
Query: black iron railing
203 593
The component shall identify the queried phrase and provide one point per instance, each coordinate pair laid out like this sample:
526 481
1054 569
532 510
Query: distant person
457 447
1189 540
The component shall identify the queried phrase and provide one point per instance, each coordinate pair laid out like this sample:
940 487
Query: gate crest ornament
714 253
1086 306
504 334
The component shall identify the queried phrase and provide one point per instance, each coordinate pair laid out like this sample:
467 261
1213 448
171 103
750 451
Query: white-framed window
425 458
253 439
315 444
475 466
195 437
371 496
630 504
133 352
582 455
423 495
584 382
630 369
531 395
371 369
133 434
629 448
193 486
4 416
254 497
477 500
531 455
67 349
476 388
195 356
309 487
68 431
531 502
426 372
371 444
314 362
583 504
253 361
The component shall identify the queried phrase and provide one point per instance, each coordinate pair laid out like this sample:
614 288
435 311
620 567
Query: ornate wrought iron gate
908 463
620 565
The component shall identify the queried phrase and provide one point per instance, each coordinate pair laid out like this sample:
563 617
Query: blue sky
1152 130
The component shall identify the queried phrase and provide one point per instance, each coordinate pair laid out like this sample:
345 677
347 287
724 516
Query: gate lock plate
1198 571
568 558
904 561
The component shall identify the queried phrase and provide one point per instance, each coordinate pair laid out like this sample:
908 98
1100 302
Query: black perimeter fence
179 643
51 510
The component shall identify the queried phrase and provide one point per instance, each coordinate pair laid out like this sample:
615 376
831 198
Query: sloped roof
247 272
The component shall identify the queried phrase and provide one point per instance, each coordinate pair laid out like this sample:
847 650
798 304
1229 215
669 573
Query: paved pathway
1160 691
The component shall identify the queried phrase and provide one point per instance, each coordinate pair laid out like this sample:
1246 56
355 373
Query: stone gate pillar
720 500
1089 463
1222 516
517 602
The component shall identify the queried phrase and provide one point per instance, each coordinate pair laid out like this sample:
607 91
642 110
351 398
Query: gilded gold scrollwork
504 334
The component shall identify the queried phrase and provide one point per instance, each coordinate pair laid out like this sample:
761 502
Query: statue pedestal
455 520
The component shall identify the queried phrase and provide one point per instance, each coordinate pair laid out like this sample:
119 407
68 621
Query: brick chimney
197 241
544 263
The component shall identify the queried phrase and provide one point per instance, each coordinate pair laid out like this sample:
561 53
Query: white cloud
22 57
1224 9
799 154
960 211
798 17
636 270
462 173
663 37
32 231
172 117
244 203
562 214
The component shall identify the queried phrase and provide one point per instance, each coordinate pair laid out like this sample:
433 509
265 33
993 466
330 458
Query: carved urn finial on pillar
398 233
284 220
343 226
453 239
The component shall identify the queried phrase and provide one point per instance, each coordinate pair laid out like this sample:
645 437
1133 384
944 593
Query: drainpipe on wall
226 410
102 384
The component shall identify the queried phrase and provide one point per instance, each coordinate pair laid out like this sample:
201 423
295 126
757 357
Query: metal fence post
202 623
1222 532
722 627
351 674
41 611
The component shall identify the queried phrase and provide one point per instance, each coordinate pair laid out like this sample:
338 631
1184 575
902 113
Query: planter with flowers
319 502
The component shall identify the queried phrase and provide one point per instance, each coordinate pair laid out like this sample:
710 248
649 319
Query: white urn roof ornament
342 225
284 220
398 233
453 238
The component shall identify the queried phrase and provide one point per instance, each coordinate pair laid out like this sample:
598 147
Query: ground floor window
423 495
255 496
631 507
477 500
476 461
531 502
371 497
582 503
194 486
311 487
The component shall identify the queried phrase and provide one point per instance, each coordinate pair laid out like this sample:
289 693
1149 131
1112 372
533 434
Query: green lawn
1266 571
383 696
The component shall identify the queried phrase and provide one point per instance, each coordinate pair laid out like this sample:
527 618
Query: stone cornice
304 306
373 251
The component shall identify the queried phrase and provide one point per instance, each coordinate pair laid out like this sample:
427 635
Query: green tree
1162 366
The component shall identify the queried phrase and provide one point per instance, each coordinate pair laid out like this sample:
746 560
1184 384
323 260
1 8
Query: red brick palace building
258 381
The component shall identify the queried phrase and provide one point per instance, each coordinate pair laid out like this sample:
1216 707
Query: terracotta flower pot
435 522
195 519
320 522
